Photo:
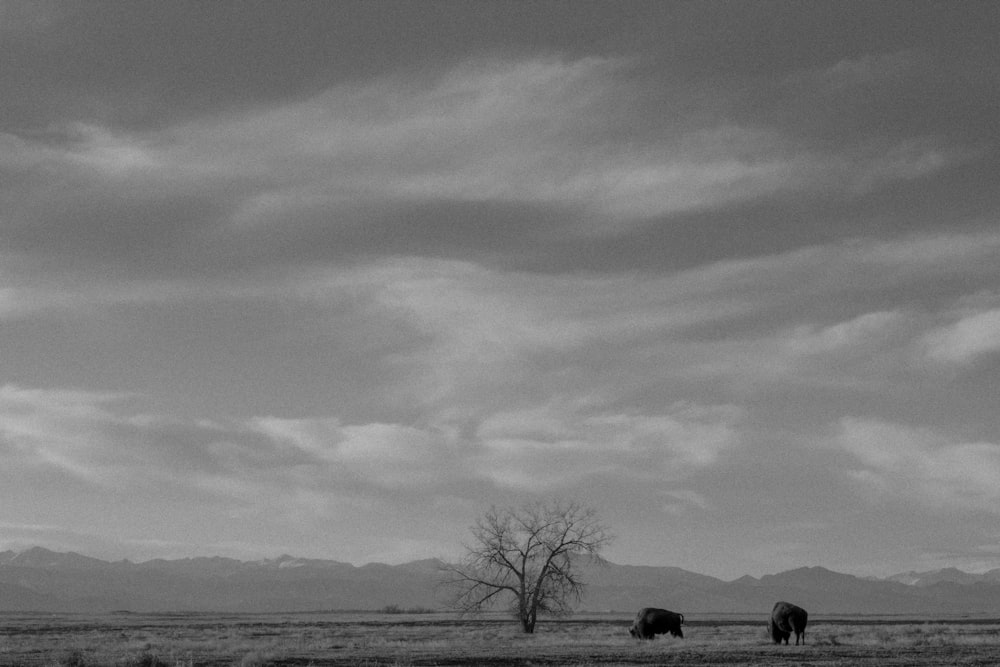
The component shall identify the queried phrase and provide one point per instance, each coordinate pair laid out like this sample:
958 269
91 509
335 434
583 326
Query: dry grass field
367 640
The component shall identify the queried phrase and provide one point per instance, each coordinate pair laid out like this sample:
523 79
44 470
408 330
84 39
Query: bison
787 618
651 621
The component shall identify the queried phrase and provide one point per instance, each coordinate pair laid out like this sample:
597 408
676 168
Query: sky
333 279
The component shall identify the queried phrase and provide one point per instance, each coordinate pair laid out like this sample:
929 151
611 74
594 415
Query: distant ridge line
38 579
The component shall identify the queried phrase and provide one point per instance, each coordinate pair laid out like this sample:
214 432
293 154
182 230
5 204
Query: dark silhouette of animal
651 621
787 618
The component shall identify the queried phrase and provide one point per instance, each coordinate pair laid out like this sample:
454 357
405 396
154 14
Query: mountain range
41 580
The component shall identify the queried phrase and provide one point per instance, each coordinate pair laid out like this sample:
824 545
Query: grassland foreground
368 639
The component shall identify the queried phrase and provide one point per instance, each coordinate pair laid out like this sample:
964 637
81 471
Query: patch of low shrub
148 660
75 658
396 609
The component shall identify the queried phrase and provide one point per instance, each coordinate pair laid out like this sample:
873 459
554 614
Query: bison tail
682 618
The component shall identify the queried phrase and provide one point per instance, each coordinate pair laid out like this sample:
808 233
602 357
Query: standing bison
785 619
651 621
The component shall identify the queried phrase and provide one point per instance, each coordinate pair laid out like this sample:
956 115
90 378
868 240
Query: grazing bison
785 619
651 621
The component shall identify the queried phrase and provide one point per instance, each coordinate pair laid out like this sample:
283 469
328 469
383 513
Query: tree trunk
528 618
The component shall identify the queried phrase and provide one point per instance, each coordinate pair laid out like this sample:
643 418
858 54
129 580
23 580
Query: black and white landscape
333 278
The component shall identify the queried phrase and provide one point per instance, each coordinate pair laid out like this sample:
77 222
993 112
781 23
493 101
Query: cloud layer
336 300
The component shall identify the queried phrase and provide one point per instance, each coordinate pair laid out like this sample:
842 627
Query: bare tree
528 557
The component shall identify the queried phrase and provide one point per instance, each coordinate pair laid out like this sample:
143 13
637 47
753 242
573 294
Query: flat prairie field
368 639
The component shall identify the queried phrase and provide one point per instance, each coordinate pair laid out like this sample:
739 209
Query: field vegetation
401 639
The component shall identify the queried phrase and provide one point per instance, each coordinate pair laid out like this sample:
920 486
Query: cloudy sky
330 279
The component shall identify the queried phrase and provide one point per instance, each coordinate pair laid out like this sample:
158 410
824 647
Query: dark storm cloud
490 158
145 64
148 64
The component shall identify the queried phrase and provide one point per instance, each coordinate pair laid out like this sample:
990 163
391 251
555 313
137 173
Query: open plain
370 639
